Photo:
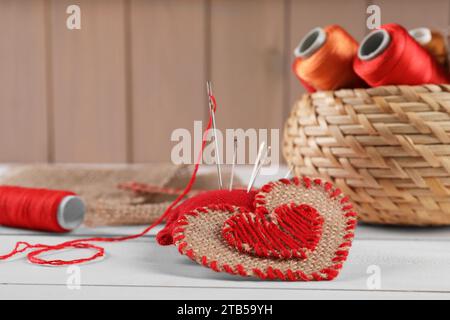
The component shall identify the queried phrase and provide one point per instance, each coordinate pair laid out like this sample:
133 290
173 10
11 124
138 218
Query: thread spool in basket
40 209
390 56
434 42
324 59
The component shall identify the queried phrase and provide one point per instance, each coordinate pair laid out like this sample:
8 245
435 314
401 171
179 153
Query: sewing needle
234 162
217 154
261 164
291 169
255 167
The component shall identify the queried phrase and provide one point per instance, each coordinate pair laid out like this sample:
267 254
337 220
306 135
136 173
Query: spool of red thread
390 56
40 209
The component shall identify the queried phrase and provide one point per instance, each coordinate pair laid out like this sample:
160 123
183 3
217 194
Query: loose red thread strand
33 256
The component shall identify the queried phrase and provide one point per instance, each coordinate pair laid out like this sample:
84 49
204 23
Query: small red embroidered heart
290 231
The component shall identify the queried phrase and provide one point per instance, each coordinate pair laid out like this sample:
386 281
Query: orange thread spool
434 42
324 59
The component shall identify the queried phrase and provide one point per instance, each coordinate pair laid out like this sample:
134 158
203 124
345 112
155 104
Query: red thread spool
324 60
391 56
40 209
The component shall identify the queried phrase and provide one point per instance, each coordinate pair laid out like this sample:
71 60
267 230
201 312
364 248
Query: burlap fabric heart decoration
299 229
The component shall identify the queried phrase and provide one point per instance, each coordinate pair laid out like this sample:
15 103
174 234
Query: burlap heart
300 229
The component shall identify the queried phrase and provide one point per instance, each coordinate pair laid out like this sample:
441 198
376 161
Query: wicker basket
388 148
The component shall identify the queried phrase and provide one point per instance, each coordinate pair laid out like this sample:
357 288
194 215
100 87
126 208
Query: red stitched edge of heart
288 232
328 273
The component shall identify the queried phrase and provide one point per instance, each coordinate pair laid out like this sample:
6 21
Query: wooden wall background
114 90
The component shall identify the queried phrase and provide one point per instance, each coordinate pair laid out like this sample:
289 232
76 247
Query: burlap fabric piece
199 234
97 185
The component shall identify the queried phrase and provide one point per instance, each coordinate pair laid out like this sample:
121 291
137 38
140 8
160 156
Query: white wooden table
412 263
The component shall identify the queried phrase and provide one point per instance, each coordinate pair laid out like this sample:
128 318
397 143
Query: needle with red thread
213 112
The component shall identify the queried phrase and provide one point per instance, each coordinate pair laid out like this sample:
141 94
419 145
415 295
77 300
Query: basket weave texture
388 148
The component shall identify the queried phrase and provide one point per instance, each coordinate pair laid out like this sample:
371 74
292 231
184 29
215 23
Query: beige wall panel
89 82
23 98
168 73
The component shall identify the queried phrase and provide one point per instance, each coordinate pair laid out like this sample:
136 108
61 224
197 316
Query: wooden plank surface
89 91
23 90
247 62
168 73
306 15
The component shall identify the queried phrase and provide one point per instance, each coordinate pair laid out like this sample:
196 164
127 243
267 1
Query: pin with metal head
213 116
256 165
291 170
261 164
234 163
